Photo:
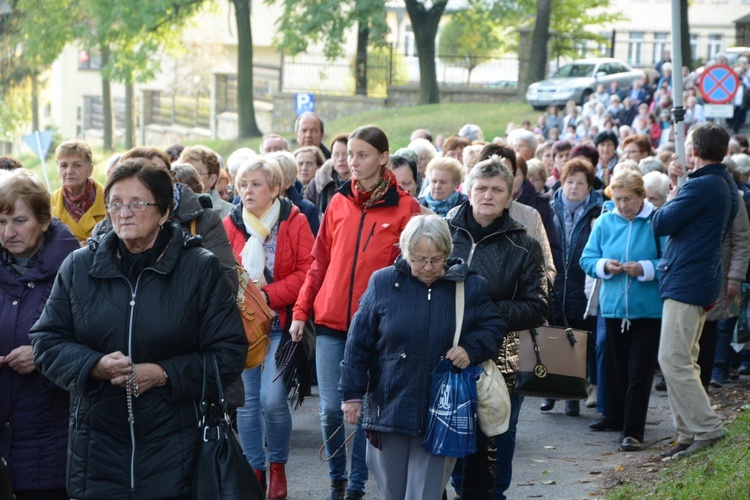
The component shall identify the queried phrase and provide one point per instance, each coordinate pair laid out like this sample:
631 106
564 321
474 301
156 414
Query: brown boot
277 482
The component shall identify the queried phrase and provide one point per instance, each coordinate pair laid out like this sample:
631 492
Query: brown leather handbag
256 318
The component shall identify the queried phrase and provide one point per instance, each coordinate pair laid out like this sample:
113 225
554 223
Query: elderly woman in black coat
500 250
125 329
404 325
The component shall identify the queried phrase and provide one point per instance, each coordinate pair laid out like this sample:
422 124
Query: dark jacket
308 209
696 221
571 280
177 308
398 335
293 255
36 440
512 263
207 225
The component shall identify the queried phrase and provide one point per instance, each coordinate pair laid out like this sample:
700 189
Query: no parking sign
719 84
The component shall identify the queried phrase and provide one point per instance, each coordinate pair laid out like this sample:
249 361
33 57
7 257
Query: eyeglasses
134 206
420 263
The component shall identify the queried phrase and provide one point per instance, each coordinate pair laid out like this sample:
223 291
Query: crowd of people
113 293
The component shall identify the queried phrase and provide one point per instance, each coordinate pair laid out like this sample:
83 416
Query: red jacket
351 245
293 254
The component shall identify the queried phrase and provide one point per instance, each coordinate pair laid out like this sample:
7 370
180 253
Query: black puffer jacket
512 263
177 309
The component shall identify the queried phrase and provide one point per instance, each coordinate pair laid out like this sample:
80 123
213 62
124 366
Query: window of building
694 46
715 45
661 43
635 48
89 59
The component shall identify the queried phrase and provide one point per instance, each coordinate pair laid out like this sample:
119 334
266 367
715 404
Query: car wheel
539 108
585 96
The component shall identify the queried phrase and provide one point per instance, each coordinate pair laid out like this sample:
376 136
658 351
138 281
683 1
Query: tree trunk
539 41
107 109
363 37
425 23
687 55
246 126
34 103
130 126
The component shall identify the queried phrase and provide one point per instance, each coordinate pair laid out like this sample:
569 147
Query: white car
578 79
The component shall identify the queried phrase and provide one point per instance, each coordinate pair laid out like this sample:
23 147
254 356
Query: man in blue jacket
696 218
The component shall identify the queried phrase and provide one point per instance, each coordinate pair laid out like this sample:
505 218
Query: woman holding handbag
623 252
500 250
33 412
272 240
127 323
359 235
404 326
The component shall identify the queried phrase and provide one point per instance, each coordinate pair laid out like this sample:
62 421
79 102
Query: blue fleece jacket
616 238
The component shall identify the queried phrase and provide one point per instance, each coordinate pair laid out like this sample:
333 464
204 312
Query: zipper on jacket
369 236
354 271
429 294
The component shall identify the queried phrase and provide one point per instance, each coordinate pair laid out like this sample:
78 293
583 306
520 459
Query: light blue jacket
615 237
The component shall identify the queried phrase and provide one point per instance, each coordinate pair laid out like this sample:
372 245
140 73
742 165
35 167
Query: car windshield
575 70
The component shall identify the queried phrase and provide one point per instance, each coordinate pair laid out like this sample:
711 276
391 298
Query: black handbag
221 469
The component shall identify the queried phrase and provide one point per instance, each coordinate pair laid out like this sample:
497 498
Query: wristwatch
166 377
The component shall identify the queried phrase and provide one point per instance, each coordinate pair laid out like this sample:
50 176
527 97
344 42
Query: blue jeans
266 408
506 447
329 352
601 366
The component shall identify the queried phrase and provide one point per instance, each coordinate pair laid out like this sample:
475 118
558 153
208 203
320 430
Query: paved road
557 457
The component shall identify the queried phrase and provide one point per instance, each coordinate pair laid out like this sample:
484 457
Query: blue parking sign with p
303 102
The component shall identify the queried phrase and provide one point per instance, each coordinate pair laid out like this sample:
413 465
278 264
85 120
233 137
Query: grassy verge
398 124
721 472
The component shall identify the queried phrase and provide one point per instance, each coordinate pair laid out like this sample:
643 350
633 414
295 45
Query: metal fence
186 111
93 114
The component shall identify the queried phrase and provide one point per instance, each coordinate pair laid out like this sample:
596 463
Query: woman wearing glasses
126 324
404 326
359 235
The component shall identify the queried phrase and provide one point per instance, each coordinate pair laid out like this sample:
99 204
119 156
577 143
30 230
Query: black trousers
631 362
707 344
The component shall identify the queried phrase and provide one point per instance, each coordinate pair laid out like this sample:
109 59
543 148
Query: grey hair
408 153
471 132
288 166
651 164
658 182
743 163
237 158
491 167
433 227
521 135
423 146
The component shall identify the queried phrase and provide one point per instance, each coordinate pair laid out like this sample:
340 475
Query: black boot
572 407
354 495
338 489
547 404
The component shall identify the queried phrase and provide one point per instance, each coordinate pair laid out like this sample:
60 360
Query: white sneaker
591 400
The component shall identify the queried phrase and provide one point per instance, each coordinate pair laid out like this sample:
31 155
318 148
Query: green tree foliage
574 23
470 38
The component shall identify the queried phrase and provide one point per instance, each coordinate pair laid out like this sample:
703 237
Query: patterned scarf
77 206
366 198
441 207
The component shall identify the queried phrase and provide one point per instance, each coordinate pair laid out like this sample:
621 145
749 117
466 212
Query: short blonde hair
268 166
629 179
450 165
471 154
433 227
535 166
203 154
